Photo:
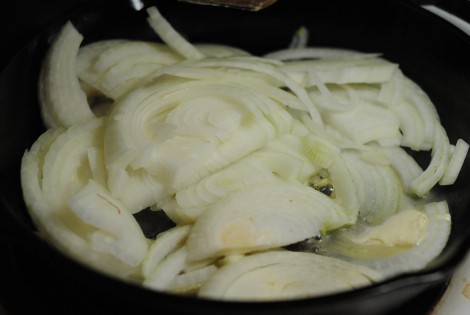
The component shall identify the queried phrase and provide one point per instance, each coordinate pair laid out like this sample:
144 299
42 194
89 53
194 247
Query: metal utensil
250 5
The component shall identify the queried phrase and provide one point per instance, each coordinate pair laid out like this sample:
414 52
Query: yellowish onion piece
262 217
285 275
410 259
63 103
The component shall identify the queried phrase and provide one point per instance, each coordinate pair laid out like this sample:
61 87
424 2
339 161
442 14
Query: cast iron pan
36 277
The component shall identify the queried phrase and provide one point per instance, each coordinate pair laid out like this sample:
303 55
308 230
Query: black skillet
35 277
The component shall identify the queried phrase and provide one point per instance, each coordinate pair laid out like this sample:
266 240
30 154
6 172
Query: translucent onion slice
165 272
130 64
59 226
405 166
330 53
319 151
220 51
118 232
367 70
136 189
411 126
194 199
275 73
191 281
300 38
165 243
345 189
87 57
63 103
170 36
66 166
422 184
284 275
455 164
378 188
262 217
357 123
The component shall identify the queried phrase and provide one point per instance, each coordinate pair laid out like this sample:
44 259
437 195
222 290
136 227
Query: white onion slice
63 103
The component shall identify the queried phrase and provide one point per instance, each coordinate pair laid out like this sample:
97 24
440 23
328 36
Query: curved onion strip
165 243
132 112
379 187
191 281
357 123
285 275
256 84
271 71
318 53
118 233
66 168
87 56
245 172
136 189
422 184
369 70
63 103
411 125
170 36
425 107
165 272
61 229
300 38
346 191
455 164
404 165
417 257
261 217
220 51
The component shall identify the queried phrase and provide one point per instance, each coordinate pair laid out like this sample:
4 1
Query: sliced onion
170 36
63 103
281 275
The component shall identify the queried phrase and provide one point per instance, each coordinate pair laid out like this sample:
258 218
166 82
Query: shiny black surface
431 51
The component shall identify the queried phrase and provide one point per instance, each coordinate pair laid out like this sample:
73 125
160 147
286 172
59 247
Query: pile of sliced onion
250 157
